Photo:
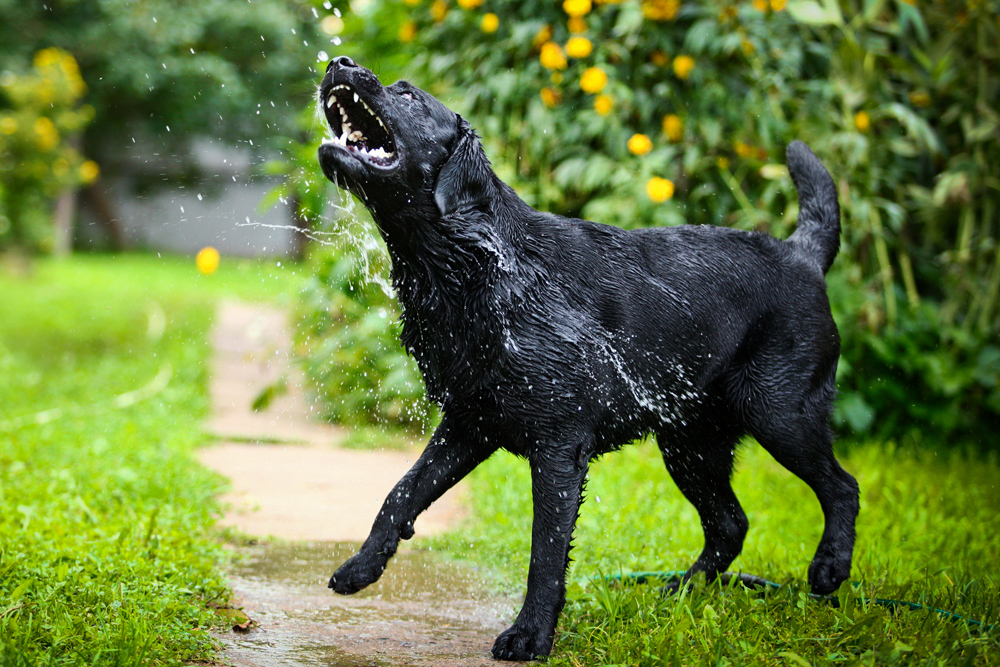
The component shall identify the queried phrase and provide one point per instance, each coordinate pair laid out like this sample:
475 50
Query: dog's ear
466 176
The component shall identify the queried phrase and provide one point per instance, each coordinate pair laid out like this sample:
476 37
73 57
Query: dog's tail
817 233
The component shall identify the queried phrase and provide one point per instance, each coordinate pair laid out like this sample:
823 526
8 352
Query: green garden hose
753 581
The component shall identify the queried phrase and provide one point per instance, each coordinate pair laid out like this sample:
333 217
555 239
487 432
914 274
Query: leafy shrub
349 343
39 118
658 112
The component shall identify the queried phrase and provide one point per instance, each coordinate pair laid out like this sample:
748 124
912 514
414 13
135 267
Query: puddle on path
424 611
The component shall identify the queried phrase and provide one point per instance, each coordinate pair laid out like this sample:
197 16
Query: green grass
927 532
106 550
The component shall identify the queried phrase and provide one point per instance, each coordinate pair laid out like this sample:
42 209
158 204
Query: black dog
561 340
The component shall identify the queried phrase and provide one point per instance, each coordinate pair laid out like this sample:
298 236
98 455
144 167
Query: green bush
349 344
658 112
39 118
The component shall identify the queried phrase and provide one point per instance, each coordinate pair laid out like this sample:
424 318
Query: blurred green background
635 113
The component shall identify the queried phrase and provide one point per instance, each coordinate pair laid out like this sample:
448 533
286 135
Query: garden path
290 480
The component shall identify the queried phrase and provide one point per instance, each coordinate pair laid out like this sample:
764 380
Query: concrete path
289 479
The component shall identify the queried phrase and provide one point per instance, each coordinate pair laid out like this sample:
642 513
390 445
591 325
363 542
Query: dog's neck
465 236
452 262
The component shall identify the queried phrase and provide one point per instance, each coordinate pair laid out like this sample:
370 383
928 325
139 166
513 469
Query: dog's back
666 323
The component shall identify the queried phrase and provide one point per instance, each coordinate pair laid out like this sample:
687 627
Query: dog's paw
672 587
827 572
357 573
518 643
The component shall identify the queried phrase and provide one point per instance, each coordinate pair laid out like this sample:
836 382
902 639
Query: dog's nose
341 61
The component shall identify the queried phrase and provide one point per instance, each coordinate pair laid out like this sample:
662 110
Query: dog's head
395 146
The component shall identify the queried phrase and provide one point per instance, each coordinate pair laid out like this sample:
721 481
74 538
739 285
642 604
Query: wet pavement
424 611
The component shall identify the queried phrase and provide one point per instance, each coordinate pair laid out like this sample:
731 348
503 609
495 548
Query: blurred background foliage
630 112
40 123
92 77
175 69
661 112
351 329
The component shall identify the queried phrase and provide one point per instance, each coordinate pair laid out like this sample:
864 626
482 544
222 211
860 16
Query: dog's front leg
557 478
449 456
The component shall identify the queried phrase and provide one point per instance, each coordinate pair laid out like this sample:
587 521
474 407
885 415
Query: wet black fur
561 339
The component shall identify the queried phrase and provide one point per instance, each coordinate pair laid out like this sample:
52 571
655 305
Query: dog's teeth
356 97
330 101
356 135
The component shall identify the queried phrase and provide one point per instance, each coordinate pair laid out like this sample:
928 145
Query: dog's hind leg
701 463
451 454
796 434
557 478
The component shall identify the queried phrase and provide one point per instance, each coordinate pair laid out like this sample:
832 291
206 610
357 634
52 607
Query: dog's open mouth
357 128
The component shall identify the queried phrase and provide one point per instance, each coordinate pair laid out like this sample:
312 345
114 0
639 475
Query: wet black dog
561 340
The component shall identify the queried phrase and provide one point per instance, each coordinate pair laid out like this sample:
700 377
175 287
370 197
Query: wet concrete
424 611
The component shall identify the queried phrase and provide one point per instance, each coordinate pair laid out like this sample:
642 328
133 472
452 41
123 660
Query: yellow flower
550 96
747 46
659 189
603 104
46 57
439 10
89 171
660 10
207 260
490 23
469 4
577 7
593 80
760 5
639 144
920 98
862 121
8 125
407 31
46 134
722 162
744 150
778 5
683 66
576 25
542 36
552 56
673 127
659 58
578 47
412 3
